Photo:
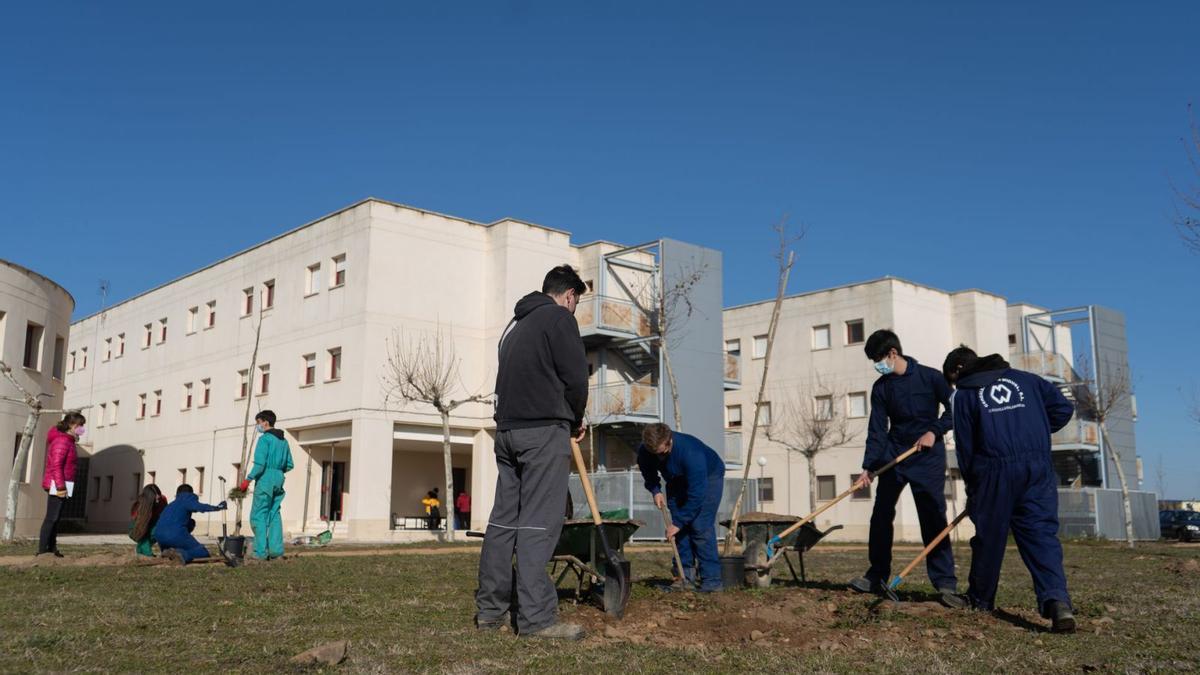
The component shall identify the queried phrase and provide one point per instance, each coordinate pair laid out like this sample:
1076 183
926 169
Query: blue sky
1020 148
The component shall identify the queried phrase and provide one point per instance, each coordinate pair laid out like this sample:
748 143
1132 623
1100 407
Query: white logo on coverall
1001 393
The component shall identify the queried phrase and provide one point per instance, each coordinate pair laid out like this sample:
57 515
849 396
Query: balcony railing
733 448
624 401
597 313
1050 365
733 369
1076 433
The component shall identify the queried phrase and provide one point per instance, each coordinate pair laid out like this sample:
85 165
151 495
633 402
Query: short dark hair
880 343
958 358
562 279
184 489
266 416
70 419
654 435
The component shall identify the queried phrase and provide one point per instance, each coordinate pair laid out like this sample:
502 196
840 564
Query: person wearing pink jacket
58 480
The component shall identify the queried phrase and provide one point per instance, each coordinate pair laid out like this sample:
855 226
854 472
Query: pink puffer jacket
60 459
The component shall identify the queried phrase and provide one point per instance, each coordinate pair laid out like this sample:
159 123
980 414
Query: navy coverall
172 530
903 408
1003 420
695 476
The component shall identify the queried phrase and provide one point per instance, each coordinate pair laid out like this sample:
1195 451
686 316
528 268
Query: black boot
1062 620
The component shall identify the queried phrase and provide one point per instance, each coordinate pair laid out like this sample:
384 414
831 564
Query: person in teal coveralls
272 459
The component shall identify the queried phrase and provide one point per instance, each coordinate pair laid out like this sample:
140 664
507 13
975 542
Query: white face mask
259 428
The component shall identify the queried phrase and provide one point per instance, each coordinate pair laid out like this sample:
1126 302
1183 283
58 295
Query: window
83 355
854 332
137 484
760 347
113 411
151 478
237 471
335 363
951 490
33 346
28 463
312 279
141 414
310 370
210 318
766 489
102 416
183 476
243 383
764 414
157 402
107 349
120 345
147 336
162 331
820 337
247 301
826 488
733 346
339 271
187 396
264 379
95 489
733 416
823 407
200 480
60 346
193 314
108 487
856 404
71 367
268 294
863 492
205 391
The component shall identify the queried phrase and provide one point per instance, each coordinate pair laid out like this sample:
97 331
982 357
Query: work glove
223 506
244 485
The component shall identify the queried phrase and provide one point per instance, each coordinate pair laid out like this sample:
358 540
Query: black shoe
494 625
865 585
949 598
1062 620
58 554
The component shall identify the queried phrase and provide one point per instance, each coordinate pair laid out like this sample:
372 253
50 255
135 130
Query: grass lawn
411 612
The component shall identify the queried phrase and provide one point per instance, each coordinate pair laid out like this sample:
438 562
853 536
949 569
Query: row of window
856 406
205 317
822 338
102 486
826 489
199 394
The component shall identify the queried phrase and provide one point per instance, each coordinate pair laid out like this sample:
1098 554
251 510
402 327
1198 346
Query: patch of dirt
94 560
1185 567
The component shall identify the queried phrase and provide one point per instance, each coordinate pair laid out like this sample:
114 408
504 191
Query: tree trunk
237 526
449 500
812 481
1124 485
666 353
18 470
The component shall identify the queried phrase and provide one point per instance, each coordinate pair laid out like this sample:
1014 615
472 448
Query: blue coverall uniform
695 476
903 408
272 459
172 530
1003 419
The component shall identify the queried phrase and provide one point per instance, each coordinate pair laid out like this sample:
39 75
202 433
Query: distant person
144 515
1003 419
58 480
272 459
462 510
541 394
433 510
904 412
695 476
175 525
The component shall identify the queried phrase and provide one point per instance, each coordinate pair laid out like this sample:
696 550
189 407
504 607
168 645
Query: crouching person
174 529
144 515
1003 419
695 476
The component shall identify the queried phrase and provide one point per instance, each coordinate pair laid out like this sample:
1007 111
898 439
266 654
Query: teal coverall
272 459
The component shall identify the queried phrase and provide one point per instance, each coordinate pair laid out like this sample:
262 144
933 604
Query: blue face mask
883 367
258 428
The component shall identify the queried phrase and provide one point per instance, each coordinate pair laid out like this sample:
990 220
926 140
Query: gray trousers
526 519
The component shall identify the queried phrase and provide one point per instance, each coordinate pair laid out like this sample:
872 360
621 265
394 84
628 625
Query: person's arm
964 429
941 391
257 470
877 432
1058 409
648 465
571 365
56 458
287 457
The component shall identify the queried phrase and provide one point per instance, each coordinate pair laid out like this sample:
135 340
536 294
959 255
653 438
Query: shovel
233 558
674 546
774 545
899 578
616 568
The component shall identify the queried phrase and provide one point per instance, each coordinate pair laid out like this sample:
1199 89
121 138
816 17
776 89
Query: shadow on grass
1019 621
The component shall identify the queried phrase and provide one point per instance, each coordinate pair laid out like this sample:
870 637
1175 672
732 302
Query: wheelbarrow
756 529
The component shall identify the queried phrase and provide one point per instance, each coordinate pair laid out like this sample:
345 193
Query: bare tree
237 493
1187 208
1099 400
33 403
425 369
785 257
808 423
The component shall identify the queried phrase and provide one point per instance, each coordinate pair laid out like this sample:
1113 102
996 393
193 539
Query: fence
1100 513
625 490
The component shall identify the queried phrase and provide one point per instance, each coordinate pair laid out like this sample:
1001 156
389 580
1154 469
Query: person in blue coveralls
904 412
174 529
695 478
1003 419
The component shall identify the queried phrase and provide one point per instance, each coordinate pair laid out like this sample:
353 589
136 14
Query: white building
35 315
172 373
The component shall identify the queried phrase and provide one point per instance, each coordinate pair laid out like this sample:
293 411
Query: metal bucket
233 547
733 571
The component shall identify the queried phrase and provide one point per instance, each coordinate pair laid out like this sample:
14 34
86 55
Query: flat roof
866 283
26 270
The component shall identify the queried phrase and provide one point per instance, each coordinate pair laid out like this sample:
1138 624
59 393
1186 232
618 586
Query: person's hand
672 530
927 440
244 485
223 506
580 433
865 478
61 494
660 500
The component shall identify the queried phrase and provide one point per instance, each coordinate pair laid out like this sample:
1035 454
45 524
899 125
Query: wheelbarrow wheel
758 575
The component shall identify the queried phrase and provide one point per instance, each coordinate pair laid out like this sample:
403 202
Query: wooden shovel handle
587 483
933 544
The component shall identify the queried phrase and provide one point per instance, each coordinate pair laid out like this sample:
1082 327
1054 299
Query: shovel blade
616 587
